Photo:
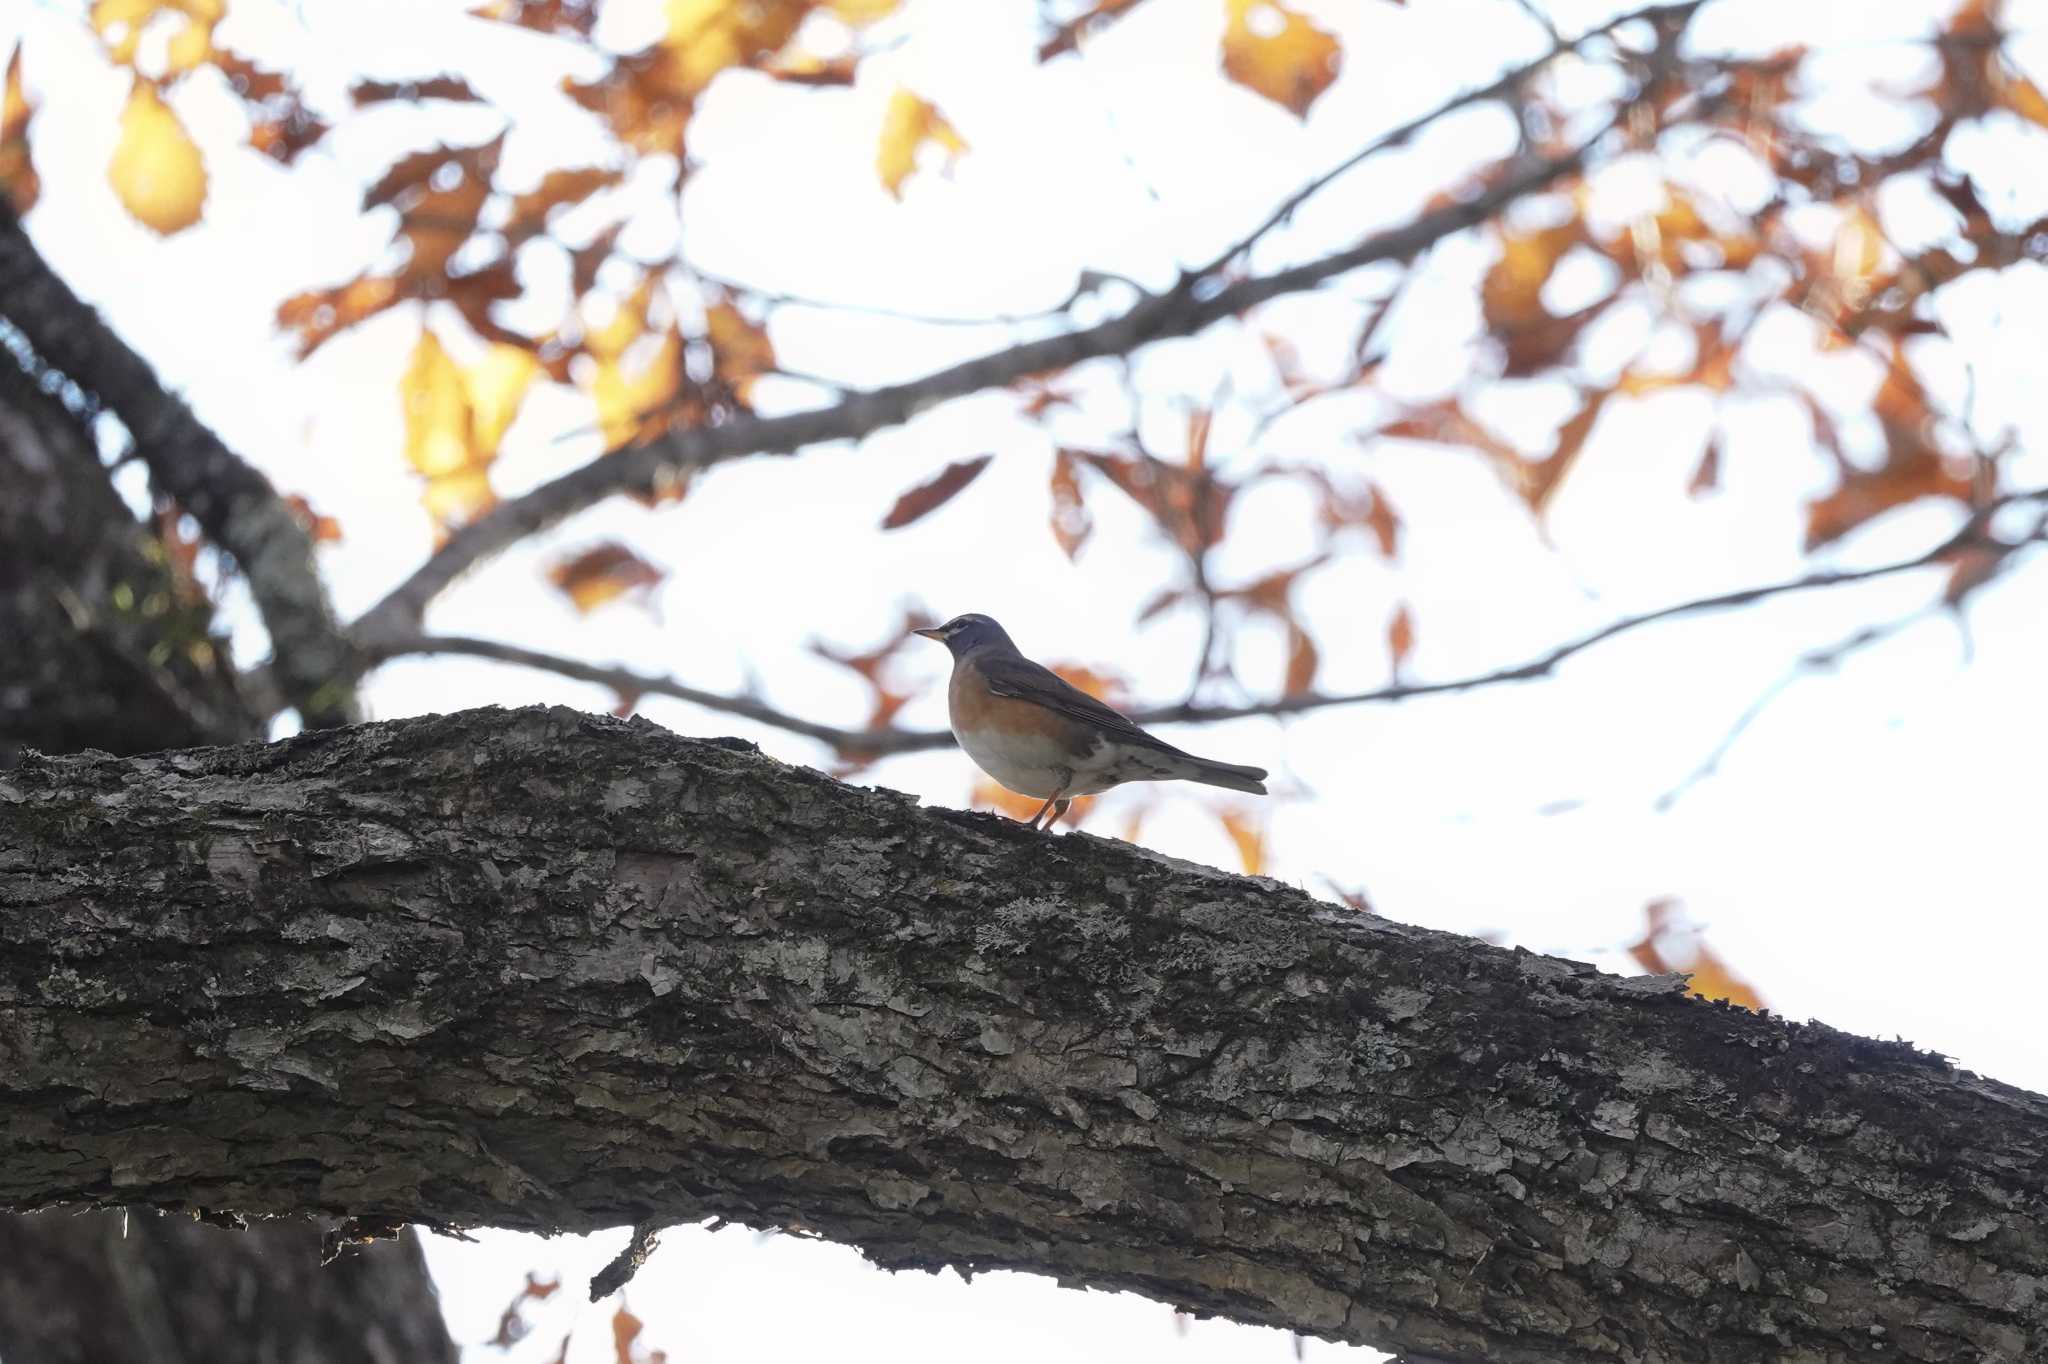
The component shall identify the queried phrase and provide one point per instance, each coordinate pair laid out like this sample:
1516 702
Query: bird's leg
1057 803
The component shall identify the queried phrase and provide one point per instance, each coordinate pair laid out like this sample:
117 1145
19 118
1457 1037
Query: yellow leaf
156 167
437 442
458 498
496 385
910 123
1249 837
628 324
1274 51
630 402
121 24
707 36
858 12
18 181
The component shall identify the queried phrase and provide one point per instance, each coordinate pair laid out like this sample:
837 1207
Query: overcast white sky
1867 854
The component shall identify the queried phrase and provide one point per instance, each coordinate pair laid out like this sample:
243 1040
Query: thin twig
1504 84
1824 659
878 743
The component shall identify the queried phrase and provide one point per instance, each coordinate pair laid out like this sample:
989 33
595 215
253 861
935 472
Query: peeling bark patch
552 971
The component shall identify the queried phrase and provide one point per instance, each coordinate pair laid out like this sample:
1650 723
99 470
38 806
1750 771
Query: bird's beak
932 632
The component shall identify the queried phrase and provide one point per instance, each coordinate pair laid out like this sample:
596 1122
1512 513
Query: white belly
1037 766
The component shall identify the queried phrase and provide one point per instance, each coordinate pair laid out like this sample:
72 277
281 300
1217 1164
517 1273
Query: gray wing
1016 676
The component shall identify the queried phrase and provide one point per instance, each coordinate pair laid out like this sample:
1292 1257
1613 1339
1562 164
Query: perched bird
1039 735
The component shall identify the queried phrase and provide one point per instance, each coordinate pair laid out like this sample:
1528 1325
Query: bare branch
878 743
1191 305
1505 84
232 501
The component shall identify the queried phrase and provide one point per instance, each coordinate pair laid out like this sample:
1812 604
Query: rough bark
234 503
98 648
553 971
171 1290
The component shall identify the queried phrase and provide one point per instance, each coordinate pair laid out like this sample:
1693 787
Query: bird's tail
1230 775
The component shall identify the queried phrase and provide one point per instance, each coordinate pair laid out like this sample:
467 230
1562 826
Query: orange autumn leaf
929 496
1400 637
18 180
1249 837
1712 978
907 126
322 530
603 573
1270 49
156 169
1302 662
558 189
320 314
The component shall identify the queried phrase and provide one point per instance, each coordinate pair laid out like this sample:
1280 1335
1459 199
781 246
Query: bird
1041 736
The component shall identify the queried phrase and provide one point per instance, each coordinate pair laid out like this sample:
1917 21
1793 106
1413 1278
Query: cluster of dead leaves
627 1329
1859 288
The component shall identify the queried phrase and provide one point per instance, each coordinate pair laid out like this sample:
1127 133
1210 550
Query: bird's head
964 633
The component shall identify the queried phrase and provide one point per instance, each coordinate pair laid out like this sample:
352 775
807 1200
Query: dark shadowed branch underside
550 971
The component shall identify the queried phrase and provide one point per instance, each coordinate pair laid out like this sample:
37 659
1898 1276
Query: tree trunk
170 1290
102 647
552 971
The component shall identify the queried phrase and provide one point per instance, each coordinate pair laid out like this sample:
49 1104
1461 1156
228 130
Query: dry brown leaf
644 97
543 16
322 530
448 87
1914 465
1071 524
929 496
318 315
908 124
557 189
1270 49
1707 477
156 169
1302 661
603 573
1400 638
740 349
17 173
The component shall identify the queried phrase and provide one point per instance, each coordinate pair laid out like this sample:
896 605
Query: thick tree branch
555 971
232 501
879 743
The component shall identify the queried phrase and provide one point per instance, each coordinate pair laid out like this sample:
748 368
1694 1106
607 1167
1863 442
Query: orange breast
972 706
